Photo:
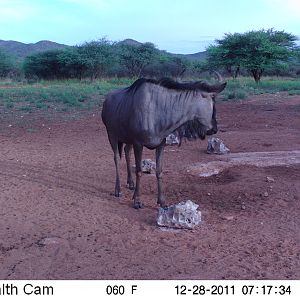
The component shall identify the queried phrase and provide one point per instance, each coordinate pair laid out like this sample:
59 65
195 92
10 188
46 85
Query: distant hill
21 50
130 42
200 56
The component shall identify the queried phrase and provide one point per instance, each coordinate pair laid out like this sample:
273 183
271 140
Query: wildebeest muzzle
214 128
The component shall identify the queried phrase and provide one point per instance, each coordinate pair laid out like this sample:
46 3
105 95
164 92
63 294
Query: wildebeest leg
159 158
138 152
127 150
118 185
114 146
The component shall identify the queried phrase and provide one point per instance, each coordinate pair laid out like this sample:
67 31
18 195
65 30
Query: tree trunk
257 74
237 71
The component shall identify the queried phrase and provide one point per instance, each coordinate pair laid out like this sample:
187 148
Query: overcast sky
178 26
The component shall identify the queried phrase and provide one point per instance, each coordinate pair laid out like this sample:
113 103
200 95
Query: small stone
243 205
270 179
172 139
266 194
208 194
148 166
216 146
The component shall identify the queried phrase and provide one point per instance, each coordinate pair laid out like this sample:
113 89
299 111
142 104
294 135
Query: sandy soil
59 219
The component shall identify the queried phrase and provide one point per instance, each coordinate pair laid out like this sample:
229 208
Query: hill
130 42
199 56
21 50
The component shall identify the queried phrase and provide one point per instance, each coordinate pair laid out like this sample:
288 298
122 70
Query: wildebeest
146 112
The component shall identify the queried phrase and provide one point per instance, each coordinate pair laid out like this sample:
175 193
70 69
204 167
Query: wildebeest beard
191 130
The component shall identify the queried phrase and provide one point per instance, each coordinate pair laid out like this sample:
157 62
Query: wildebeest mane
174 85
191 130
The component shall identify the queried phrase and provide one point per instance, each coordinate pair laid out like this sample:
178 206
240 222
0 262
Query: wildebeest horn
218 75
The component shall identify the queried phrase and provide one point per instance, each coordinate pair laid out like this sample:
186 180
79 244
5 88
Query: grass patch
70 95
294 92
244 87
65 95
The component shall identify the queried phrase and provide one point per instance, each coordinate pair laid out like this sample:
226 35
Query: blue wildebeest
145 113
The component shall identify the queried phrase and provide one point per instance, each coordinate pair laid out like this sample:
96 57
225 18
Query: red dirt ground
59 220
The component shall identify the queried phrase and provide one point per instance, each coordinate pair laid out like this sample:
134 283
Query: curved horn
218 75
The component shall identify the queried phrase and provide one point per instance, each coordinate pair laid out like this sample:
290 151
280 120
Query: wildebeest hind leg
118 185
127 150
138 152
159 158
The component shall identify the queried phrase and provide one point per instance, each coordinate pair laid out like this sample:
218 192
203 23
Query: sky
177 26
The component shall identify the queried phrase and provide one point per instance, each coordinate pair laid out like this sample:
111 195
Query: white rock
172 139
181 215
270 179
148 166
216 146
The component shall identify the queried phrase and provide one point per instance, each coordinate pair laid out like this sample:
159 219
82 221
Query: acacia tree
255 51
135 58
96 57
46 65
226 54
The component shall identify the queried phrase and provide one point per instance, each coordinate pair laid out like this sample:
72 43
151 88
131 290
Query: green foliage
168 65
6 64
135 58
45 65
255 51
226 54
93 59
96 57
267 52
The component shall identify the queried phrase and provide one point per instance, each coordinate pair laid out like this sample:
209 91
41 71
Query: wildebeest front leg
127 150
159 159
138 152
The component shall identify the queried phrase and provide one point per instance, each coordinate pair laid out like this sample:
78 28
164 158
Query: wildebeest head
205 121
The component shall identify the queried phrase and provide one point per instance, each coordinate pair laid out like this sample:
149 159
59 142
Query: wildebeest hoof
138 205
118 194
164 206
131 186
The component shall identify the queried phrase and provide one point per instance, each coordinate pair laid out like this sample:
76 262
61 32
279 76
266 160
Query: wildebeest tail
120 148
